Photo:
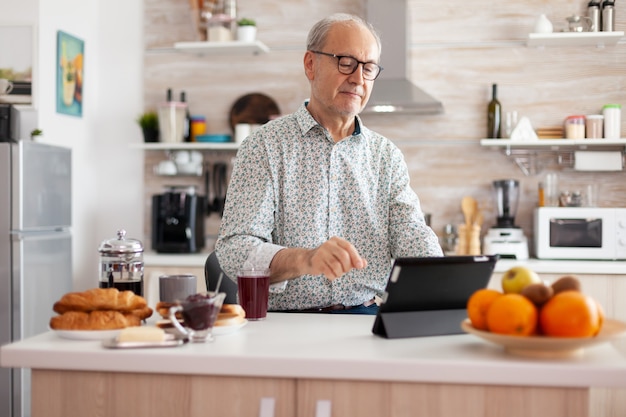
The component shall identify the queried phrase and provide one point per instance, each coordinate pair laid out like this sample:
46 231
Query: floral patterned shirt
293 186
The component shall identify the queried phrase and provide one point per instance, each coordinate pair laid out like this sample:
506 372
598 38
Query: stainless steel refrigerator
35 251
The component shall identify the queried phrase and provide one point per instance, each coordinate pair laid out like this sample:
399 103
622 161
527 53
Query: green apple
517 278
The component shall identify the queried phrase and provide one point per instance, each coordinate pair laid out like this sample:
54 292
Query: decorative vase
246 33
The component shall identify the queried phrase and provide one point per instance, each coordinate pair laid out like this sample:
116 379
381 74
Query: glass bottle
494 115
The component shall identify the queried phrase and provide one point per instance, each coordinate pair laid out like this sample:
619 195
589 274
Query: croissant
100 299
142 313
95 320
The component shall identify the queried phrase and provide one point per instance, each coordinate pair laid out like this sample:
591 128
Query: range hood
393 92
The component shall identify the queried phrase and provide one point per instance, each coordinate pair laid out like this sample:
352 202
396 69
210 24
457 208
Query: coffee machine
178 220
505 238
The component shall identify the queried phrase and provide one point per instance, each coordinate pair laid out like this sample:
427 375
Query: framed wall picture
17 62
70 75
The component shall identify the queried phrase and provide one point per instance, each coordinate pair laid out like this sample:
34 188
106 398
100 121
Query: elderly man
317 197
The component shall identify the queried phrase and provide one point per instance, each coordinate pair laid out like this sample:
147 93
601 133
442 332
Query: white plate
549 347
87 334
222 330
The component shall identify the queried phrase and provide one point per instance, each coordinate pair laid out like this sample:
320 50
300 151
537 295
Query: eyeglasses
347 65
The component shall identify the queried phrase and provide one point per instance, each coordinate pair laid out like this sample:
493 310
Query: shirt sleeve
409 233
245 237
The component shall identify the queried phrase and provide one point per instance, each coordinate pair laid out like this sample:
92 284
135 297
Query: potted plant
149 123
246 30
36 134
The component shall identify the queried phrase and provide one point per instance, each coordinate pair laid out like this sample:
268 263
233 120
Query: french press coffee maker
121 264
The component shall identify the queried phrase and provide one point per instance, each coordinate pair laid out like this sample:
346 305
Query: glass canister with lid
121 264
575 127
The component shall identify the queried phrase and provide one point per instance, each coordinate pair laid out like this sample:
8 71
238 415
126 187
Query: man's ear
309 64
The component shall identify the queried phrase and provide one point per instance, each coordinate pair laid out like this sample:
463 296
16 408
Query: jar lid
120 244
595 116
575 118
612 106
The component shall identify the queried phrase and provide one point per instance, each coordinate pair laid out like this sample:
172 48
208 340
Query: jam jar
121 264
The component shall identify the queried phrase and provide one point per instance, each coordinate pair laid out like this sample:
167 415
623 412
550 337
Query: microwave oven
580 233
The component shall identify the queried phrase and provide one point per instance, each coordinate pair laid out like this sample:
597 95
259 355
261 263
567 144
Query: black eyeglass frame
339 57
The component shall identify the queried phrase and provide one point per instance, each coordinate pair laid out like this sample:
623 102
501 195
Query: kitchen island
318 365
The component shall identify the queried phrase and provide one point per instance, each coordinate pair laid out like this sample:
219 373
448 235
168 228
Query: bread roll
100 299
233 309
228 319
163 309
94 320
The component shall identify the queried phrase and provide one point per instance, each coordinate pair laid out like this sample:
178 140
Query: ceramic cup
6 86
166 167
175 288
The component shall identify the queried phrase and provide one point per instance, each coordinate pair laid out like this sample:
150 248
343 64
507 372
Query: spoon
219 282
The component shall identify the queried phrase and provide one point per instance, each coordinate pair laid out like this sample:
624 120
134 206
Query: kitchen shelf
222 48
554 143
599 39
527 153
162 146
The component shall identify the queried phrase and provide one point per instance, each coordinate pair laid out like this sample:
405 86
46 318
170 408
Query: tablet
428 296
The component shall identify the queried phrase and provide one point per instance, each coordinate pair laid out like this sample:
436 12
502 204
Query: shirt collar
307 122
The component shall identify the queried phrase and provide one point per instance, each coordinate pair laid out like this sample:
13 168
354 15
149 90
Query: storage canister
594 124
198 126
121 264
612 120
575 127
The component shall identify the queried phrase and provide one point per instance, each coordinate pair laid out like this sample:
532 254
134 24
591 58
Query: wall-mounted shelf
598 39
526 154
199 146
554 143
222 48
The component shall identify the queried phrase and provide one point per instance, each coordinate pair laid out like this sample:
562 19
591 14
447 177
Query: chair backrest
212 271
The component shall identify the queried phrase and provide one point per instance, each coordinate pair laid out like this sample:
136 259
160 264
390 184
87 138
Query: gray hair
319 32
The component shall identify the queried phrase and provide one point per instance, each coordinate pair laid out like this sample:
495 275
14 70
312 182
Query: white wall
107 175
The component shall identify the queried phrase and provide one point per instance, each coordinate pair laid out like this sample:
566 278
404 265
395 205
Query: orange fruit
512 314
601 317
570 314
478 305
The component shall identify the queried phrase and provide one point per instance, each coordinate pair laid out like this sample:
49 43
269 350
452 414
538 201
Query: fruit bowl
548 347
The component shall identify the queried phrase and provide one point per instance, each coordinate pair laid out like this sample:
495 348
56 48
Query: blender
506 239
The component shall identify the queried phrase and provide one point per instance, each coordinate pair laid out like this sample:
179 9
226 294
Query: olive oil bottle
494 115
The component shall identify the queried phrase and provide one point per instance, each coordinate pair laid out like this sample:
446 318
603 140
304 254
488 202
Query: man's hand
333 258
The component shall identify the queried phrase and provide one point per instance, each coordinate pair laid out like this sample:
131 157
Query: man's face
344 94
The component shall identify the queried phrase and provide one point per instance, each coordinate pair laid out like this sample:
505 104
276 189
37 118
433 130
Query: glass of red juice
254 289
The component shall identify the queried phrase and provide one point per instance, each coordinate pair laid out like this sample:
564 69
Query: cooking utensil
254 108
